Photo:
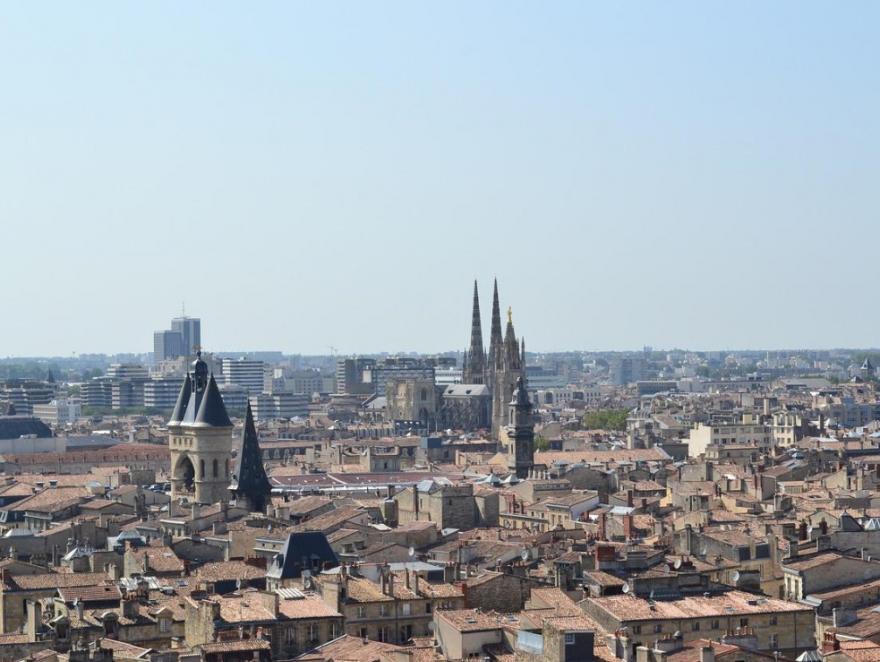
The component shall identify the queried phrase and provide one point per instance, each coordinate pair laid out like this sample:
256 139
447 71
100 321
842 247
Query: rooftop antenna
183 308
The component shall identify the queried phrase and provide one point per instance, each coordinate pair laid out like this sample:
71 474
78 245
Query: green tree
606 419
541 444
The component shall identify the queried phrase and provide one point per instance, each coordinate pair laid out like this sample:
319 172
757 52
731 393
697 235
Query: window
658 627
774 620
164 625
405 607
291 636
743 622
383 610
215 468
202 468
637 629
695 626
774 641
716 624
427 607
362 612
569 639
363 633
313 632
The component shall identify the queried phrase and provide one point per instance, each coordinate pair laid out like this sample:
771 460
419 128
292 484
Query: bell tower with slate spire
200 440
521 432
250 484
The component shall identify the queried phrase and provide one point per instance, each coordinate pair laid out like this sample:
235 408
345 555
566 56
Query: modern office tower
161 392
167 345
350 375
267 406
25 393
190 330
245 373
180 340
626 370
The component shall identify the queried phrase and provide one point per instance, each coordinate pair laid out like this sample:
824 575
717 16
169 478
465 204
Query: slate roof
298 553
249 476
13 427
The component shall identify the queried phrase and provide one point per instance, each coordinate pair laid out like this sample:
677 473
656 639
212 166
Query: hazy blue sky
312 174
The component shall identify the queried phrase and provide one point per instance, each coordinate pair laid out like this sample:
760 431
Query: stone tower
521 432
474 365
200 440
250 484
507 368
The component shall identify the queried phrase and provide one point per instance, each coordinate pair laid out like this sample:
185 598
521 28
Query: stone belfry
521 432
200 439
474 365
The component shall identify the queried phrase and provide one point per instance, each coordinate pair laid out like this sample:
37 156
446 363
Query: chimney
195 511
629 498
830 642
628 526
602 534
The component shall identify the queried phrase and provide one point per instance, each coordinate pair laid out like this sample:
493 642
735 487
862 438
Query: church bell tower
521 432
200 440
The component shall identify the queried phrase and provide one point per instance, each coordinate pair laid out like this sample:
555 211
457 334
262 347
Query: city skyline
308 176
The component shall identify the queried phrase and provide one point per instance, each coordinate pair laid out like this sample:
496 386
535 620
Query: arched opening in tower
186 473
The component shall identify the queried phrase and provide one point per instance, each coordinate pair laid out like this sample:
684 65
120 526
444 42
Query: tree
606 419
541 444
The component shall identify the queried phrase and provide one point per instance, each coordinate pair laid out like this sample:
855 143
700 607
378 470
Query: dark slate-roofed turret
182 401
250 484
212 411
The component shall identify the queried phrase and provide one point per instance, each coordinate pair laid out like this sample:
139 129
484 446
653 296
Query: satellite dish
524 555
735 576
625 587
411 552
677 564
430 626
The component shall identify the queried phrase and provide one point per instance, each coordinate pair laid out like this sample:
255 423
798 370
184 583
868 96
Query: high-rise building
190 330
350 375
167 345
182 339
245 373
161 393
626 370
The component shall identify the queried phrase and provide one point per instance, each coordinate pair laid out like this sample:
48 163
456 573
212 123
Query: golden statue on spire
509 315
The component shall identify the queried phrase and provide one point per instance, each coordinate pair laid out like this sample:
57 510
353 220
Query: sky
308 175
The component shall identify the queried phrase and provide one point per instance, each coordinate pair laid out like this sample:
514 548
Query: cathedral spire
496 340
511 347
475 358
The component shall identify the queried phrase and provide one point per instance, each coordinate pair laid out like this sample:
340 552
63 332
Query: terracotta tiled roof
55 580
